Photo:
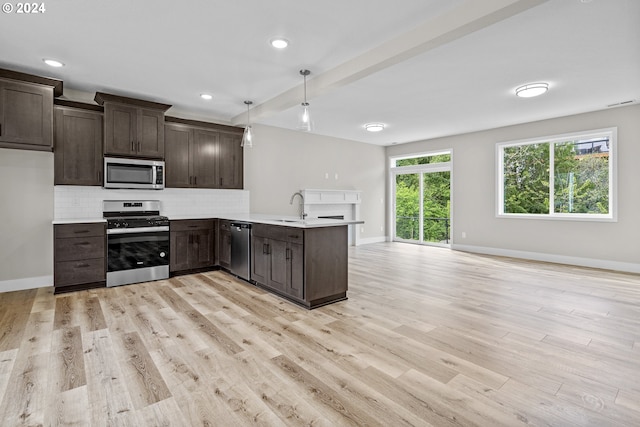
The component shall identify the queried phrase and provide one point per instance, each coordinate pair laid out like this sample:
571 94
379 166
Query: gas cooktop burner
133 214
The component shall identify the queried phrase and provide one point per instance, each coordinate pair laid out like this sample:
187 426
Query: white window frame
612 216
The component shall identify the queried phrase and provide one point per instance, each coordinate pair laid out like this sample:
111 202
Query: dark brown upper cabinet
132 127
78 144
231 159
202 155
26 110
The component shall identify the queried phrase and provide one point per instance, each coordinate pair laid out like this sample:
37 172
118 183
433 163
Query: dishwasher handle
240 225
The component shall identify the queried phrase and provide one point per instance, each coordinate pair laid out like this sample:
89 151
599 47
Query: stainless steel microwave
133 173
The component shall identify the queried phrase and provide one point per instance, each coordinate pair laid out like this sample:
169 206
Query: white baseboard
627 267
369 240
26 283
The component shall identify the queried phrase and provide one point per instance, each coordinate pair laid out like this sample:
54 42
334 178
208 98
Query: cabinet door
225 249
150 135
230 161
278 265
295 270
204 155
78 147
202 254
176 143
120 129
179 248
259 260
26 115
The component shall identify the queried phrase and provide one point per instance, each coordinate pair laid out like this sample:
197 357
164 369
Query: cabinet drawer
78 248
192 224
276 232
79 230
79 272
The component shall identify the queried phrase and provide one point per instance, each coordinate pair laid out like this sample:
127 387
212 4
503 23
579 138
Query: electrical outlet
326 175
336 176
362 229
464 234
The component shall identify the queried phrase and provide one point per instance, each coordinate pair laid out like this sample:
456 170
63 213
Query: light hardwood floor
427 337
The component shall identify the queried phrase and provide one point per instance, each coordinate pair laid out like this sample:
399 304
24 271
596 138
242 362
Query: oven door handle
137 230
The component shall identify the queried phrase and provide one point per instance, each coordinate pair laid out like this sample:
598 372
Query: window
564 176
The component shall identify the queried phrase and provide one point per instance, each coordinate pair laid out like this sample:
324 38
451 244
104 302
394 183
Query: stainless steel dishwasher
241 249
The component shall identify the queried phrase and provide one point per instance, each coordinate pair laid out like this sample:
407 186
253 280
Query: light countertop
254 218
274 219
77 220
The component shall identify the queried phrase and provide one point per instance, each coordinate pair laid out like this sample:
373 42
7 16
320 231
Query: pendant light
247 137
304 120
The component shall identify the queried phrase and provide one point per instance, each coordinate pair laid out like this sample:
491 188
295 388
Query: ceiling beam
465 19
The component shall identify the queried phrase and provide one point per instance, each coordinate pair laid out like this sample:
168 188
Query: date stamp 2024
24 8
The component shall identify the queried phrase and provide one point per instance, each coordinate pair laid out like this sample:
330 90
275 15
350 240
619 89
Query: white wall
599 244
285 161
26 212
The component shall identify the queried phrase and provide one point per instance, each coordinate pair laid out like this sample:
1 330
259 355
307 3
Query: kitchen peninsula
304 261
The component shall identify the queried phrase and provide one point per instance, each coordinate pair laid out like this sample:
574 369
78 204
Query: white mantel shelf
325 197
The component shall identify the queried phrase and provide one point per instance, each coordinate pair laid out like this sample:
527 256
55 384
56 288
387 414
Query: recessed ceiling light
206 96
53 63
374 127
279 43
532 89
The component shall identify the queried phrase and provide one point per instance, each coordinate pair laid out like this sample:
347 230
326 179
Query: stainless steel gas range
137 241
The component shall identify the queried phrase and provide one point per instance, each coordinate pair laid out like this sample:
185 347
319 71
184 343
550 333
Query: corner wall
614 245
26 212
283 161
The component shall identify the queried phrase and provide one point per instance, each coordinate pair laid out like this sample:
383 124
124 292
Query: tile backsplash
78 202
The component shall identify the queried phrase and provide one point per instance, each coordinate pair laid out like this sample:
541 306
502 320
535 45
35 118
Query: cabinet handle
195 180
293 237
138 146
80 231
287 254
98 173
82 244
0 129
83 265
220 182
132 146
190 180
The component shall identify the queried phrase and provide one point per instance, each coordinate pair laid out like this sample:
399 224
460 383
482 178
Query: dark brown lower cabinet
192 245
79 256
308 266
224 243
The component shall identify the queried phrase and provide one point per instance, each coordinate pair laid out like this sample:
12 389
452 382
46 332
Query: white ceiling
425 68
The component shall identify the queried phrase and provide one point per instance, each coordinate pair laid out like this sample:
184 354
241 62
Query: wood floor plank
26 398
323 395
14 317
144 382
92 313
428 336
69 408
67 359
110 403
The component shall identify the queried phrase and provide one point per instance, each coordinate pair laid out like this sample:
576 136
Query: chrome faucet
302 214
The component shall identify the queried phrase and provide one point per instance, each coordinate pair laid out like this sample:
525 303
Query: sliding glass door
422 199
